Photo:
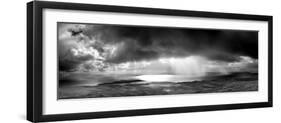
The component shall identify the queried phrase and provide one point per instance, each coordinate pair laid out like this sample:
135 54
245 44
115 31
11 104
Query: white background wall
13 61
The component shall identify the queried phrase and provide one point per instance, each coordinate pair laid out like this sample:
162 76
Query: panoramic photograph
106 60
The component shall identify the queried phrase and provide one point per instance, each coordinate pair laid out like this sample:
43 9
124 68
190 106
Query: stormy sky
124 49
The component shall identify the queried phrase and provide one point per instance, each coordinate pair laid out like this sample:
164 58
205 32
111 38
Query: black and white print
102 60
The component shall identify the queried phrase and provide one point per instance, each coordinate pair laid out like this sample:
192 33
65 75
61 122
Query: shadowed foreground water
238 82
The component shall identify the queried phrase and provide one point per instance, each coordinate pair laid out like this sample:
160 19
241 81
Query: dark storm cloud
136 43
146 43
75 32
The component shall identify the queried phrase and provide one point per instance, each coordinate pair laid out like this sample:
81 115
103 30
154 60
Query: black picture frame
35 69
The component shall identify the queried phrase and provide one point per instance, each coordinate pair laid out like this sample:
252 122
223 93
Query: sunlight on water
155 78
165 78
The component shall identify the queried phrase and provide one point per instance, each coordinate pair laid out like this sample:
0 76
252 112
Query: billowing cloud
103 47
